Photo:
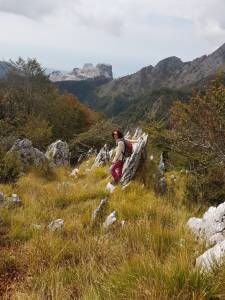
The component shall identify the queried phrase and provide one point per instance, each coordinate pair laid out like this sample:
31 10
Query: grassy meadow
151 256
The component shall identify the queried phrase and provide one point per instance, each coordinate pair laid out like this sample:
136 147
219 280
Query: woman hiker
124 149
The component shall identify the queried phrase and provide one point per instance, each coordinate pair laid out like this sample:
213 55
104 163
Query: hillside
130 92
65 235
150 256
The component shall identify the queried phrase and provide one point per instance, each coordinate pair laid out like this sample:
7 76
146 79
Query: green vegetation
32 107
194 137
150 257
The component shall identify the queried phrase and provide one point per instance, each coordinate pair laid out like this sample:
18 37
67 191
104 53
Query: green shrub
9 167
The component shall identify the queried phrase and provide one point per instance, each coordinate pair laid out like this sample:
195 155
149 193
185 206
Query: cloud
129 34
27 8
114 16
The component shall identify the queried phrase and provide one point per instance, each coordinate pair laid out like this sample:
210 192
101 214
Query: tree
198 133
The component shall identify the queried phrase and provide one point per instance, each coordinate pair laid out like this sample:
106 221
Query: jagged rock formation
212 257
150 92
168 73
132 163
27 154
58 153
211 229
103 157
97 212
111 219
87 72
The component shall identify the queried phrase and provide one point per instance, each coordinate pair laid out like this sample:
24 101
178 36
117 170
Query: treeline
32 107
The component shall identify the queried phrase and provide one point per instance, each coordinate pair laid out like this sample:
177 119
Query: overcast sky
129 34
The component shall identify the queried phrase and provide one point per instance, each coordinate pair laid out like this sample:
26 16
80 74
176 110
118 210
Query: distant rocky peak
89 71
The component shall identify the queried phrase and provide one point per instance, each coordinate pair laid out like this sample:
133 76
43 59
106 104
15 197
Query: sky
129 34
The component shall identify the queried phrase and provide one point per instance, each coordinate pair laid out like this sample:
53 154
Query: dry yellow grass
151 257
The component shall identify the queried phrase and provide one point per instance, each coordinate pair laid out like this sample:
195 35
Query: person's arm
119 151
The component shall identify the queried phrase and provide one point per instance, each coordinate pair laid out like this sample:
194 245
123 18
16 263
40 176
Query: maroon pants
116 170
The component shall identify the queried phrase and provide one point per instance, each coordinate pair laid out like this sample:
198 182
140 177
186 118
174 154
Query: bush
208 186
9 167
198 134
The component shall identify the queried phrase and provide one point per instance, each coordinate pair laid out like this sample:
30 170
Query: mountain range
151 90
147 93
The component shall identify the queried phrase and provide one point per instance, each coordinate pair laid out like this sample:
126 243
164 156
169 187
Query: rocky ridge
89 71
168 73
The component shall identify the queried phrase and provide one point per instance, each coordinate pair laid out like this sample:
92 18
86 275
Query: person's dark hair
119 133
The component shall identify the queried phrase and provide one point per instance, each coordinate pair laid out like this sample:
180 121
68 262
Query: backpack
128 149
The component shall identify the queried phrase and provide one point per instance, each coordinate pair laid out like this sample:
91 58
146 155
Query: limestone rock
103 157
56 224
212 257
138 133
110 187
87 72
132 163
27 154
58 154
99 209
211 227
111 219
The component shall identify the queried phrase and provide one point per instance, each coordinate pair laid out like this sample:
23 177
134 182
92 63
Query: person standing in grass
123 150
118 160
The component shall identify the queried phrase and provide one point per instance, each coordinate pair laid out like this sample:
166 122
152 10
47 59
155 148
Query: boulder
110 187
58 154
111 219
99 209
56 224
27 154
211 258
211 227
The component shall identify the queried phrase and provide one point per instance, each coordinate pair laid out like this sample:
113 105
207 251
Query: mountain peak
89 71
169 64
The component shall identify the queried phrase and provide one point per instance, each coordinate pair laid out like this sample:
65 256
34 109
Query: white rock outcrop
103 157
132 163
58 154
89 71
56 224
211 258
211 227
110 187
27 154
111 219
99 209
